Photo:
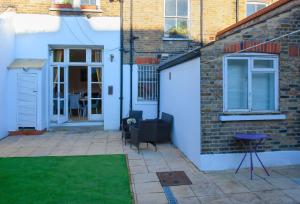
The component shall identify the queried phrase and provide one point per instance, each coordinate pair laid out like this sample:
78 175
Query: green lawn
73 180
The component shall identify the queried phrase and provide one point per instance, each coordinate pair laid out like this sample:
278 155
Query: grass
70 179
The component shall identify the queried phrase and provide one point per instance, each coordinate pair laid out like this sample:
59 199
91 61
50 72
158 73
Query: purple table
250 138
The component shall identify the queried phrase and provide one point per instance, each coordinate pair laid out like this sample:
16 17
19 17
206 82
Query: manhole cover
173 178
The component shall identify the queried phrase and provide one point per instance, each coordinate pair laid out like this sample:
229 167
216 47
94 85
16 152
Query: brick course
217 136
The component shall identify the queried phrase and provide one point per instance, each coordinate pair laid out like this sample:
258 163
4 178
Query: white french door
95 102
59 93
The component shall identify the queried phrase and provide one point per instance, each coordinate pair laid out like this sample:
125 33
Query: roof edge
254 16
180 59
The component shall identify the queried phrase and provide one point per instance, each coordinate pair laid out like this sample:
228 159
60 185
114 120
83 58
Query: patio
283 186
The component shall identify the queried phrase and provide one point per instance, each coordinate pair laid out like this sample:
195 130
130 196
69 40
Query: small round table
250 138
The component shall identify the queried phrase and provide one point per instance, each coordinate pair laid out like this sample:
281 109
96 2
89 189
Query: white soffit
27 64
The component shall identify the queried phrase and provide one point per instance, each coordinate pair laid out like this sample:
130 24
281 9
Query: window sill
146 102
175 39
76 10
249 117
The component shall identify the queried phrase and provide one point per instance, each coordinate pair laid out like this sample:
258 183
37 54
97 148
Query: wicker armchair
138 116
152 131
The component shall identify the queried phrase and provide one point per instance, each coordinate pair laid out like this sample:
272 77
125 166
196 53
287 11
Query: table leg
251 159
241 163
255 151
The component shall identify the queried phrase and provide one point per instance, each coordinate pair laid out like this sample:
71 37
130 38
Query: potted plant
63 4
88 6
178 32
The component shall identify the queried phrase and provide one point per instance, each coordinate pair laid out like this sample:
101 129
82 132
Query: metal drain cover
173 178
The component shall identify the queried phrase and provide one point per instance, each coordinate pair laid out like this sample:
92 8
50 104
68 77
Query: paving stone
144 178
189 200
152 198
231 186
283 183
294 193
206 189
182 191
245 198
215 200
150 187
275 197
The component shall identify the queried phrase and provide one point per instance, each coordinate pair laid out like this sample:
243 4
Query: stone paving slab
207 187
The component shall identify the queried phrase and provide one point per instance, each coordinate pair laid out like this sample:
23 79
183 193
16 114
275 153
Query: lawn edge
130 180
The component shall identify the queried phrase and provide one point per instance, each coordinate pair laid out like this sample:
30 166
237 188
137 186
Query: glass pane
170 8
96 55
77 55
96 74
263 91
260 6
182 27
58 55
54 107
264 64
62 74
55 90
237 79
55 75
84 2
170 25
182 8
96 106
62 107
96 90
62 90
250 9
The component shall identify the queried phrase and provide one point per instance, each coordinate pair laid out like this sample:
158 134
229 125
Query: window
147 83
88 2
176 18
254 6
77 55
251 84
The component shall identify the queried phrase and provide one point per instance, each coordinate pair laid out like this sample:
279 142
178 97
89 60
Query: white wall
149 108
7 52
180 97
35 32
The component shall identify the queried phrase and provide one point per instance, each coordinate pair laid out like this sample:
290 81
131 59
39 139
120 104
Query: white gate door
27 89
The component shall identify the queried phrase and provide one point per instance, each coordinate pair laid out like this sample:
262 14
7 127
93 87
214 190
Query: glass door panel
59 94
95 93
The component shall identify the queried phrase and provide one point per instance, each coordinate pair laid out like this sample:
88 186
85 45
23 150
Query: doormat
173 178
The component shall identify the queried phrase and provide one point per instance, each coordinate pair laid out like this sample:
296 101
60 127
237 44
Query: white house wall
35 32
180 97
7 52
149 108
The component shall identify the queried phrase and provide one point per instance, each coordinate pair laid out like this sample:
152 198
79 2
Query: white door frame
92 116
89 64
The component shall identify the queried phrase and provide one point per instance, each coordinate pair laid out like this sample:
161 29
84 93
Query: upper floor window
251 84
176 18
147 83
254 6
88 2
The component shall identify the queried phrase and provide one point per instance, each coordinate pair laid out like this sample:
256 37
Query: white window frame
251 70
188 21
153 97
254 3
78 3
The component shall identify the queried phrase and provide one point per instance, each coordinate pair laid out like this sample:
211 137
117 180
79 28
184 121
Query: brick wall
217 136
109 8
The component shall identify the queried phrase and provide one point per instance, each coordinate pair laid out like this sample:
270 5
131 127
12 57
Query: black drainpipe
158 93
201 23
131 52
237 10
121 59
